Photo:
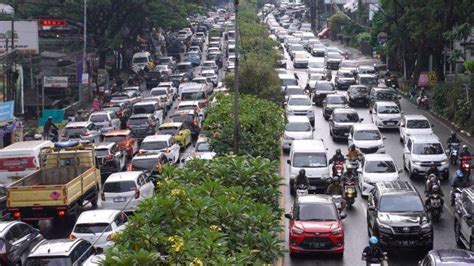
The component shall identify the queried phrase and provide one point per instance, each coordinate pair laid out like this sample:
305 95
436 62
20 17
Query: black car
383 94
153 78
321 90
178 78
142 125
332 102
341 121
344 79
396 215
17 239
446 257
358 95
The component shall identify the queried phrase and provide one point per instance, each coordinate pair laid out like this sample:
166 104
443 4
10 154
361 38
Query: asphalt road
355 225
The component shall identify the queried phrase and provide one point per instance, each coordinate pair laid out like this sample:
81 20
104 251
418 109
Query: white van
21 159
310 155
140 60
192 91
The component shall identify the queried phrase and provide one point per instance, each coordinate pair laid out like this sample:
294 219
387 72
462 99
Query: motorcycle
338 168
350 192
435 206
301 190
375 261
457 193
453 152
431 182
338 200
423 102
465 163
352 166
52 136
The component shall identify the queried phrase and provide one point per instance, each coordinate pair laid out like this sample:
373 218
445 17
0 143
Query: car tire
401 139
292 187
457 233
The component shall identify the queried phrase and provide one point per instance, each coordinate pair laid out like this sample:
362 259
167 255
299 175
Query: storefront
11 129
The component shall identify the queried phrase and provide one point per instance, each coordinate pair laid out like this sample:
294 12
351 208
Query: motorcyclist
307 88
353 153
434 190
335 188
48 125
421 96
458 182
338 157
431 181
453 138
465 152
432 170
301 178
373 253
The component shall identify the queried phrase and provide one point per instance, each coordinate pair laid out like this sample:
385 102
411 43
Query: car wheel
411 175
292 187
401 139
457 233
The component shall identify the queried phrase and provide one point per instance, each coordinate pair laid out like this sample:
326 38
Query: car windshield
158 92
359 90
48 261
143 109
332 55
298 127
193 96
154 145
101 152
313 64
115 138
348 64
138 121
368 81
168 130
345 75
297 48
139 60
92 228
385 96
326 86
316 212
99 118
299 101
427 148
380 167
76 131
117 187
336 100
182 118
119 97
346 117
367 135
397 203
183 67
309 160
422 123
294 91
144 164
388 109
203 147
289 82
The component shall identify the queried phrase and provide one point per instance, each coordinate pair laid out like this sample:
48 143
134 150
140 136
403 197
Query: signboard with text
6 111
25 36
55 82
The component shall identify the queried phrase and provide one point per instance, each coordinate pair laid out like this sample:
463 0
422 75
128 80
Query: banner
25 36
6 111
55 82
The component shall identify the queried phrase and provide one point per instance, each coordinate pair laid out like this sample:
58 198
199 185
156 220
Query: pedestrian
48 125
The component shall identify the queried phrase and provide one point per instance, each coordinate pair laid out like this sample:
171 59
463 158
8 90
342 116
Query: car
60 252
310 155
313 78
293 90
193 57
287 80
161 143
150 106
99 227
366 69
202 150
177 78
386 115
110 158
446 257
105 120
216 56
421 151
163 95
94 260
318 51
149 163
297 127
396 215
122 110
181 135
142 125
358 95
344 79
382 94
186 69
140 60
211 76
315 226
209 65
322 89
332 102
192 91
368 80
341 122
333 59
376 168
125 140
463 212
293 48
300 59
300 105
164 70
167 60
84 132
172 90
349 65
191 120
127 98
366 138
414 125
191 105
17 239
318 65
124 191
208 86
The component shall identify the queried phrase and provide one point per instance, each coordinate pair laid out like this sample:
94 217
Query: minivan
194 92
140 60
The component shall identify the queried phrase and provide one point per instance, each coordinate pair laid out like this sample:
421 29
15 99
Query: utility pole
84 55
236 81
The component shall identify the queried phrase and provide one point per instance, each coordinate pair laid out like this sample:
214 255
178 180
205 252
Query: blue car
194 58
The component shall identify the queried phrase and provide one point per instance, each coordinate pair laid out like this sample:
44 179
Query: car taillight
137 194
61 213
72 237
102 196
16 215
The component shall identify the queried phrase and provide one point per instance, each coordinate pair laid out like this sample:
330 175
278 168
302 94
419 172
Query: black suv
463 219
321 89
378 94
397 216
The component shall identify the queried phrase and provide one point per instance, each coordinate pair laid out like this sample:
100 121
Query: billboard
25 36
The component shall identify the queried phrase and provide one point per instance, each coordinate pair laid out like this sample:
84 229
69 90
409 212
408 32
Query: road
355 226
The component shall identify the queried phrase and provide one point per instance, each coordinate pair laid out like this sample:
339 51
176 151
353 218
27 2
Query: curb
281 203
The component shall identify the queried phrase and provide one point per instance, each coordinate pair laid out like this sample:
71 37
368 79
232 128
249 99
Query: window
81 253
367 135
418 124
427 148
309 160
406 203
380 167
409 144
117 187
121 219
14 234
298 127
92 228
316 212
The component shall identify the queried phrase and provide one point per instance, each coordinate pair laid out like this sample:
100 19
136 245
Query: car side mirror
288 216
371 208
288 161
343 216
360 120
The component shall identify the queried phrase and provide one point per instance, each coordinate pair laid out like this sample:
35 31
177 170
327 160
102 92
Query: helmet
464 147
50 118
352 147
373 240
338 151
459 174
336 179
302 172
453 134
435 188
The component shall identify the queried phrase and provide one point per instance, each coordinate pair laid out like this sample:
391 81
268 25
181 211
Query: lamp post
236 82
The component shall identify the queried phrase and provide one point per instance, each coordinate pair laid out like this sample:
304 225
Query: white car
161 143
169 85
105 120
414 125
163 95
300 59
298 127
376 168
420 151
99 227
202 150
125 190
211 76
210 64
366 138
84 132
300 105
386 115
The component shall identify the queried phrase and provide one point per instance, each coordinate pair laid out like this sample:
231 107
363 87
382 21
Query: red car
315 226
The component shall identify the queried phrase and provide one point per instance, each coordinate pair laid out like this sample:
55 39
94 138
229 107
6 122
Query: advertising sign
423 80
55 82
6 111
25 36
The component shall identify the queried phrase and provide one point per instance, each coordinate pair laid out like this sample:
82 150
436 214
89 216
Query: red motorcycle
465 164
423 102
338 168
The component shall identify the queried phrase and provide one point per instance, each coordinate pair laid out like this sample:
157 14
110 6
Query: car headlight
336 231
297 231
426 226
384 226
416 162
444 162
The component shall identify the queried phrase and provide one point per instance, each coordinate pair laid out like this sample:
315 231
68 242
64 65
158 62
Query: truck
463 221
66 182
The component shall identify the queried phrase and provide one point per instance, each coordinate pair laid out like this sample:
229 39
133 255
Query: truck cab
463 219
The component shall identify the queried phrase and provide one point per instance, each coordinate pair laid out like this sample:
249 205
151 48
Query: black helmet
435 188
433 165
302 172
453 134
336 179
338 151
352 147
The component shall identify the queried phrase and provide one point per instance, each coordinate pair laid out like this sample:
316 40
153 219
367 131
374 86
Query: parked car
99 227
421 151
386 115
125 190
17 239
315 226
414 125
367 138
358 95
142 125
60 252
125 140
332 102
376 168
84 132
161 143
341 122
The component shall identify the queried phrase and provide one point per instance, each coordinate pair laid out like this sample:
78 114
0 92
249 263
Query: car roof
308 145
294 87
335 96
123 176
367 76
164 83
171 124
162 88
298 96
386 103
104 145
140 116
298 118
101 113
160 137
77 124
54 247
357 86
344 110
146 103
286 76
378 157
426 138
395 187
7 224
97 216
148 155
187 103
118 132
315 198
415 117
453 256
365 126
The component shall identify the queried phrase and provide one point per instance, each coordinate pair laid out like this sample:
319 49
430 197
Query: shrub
261 126
209 212
469 65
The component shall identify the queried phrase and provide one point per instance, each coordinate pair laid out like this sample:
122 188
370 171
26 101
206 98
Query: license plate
346 134
119 199
312 187
316 245
406 243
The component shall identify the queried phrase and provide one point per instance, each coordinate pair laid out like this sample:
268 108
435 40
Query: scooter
457 193
338 168
301 190
453 152
350 192
435 206
423 102
430 182
466 166
373 261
